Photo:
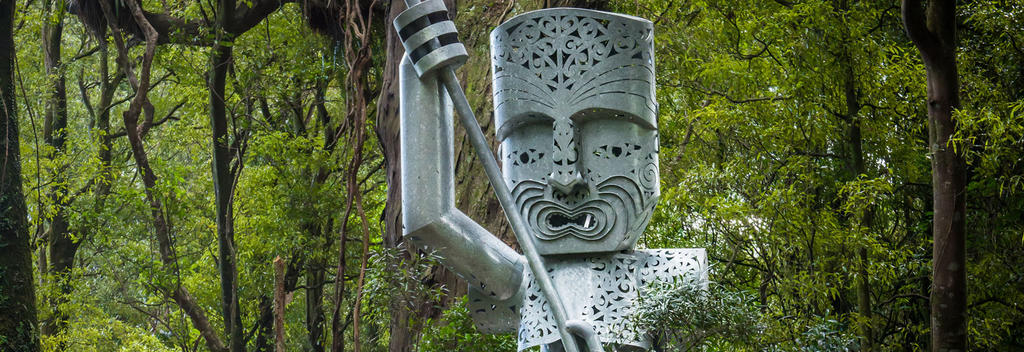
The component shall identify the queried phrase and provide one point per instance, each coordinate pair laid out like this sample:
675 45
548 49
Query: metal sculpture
575 111
576 119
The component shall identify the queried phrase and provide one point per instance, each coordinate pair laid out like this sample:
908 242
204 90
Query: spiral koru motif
648 177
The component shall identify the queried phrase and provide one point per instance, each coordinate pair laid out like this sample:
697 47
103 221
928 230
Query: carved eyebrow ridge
505 74
579 96
620 67
538 100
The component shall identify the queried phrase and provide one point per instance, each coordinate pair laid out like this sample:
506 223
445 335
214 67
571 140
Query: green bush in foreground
685 317
455 332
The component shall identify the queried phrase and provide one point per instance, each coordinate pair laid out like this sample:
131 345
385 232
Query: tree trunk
279 303
316 272
337 326
270 324
857 167
223 177
18 325
62 247
315 278
933 31
105 177
387 131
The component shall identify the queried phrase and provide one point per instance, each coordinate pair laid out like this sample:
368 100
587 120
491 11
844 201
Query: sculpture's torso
597 289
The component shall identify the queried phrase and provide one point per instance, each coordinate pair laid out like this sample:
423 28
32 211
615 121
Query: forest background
184 165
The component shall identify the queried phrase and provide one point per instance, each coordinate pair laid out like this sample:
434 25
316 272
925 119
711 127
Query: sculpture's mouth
584 221
613 208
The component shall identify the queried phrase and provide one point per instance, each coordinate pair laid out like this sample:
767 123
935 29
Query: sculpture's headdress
559 62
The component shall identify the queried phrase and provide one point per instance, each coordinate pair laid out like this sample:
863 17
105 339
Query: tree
789 152
141 106
933 31
18 324
225 173
61 244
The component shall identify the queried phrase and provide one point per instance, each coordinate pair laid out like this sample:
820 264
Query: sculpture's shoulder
668 264
599 289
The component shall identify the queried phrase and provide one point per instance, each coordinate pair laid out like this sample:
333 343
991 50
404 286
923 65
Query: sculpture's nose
565 181
565 173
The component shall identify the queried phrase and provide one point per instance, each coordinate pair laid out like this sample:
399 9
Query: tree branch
917 29
176 30
711 91
85 54
168 116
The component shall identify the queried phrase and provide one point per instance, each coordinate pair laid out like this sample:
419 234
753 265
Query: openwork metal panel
598 289
559 62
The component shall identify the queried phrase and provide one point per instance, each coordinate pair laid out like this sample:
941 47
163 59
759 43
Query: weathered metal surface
476 138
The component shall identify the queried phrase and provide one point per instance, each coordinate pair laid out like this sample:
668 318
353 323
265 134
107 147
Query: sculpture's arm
428 193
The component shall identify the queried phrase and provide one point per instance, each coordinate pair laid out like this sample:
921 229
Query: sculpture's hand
428 193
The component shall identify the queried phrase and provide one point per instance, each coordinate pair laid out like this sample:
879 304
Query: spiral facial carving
648 174
620 204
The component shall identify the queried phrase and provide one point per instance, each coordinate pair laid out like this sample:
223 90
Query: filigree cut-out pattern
611 151
589 73
564 48
564 154
614 282
561 62
524 157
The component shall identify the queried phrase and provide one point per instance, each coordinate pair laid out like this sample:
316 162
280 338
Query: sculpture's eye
610 151
524 157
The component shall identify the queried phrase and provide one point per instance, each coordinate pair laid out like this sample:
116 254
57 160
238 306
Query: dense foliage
797 150
794 147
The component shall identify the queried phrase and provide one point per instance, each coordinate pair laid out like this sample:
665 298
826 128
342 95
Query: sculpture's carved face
575 112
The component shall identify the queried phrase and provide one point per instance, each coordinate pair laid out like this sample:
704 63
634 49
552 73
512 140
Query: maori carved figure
576 117
578 86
